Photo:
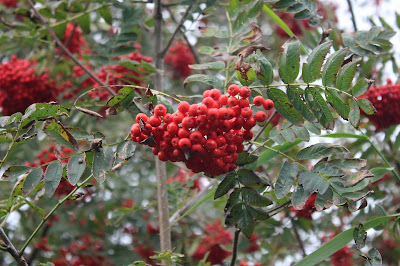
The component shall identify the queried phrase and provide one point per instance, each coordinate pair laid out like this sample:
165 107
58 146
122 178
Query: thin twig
353 17
263 128
11 249
279 207
51 212
161 170
191 202
65 50
36 251
178 28
296 233
235 247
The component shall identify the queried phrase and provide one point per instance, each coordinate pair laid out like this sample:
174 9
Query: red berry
213 114
232 101
223 100
260 116
183 107
201 109
215 94
168 118
154 121
172 128
142 116
258 100
162 156
233 89
209 102
189 122
250 123
183 133
135 130
223 113
225 125
160 110
206 93
195 137
178 116
201 120
244 102
245 92
221 141
211 144
185 144
155 151
238 123
175 142
268 104
246 112
248 134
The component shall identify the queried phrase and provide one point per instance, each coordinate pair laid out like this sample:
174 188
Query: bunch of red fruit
206 136
179 57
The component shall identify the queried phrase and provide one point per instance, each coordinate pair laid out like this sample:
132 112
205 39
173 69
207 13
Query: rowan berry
189 122
168 118
183 133
244 102
172 128
154 121
193 110
195 137
258 100
215 94
223 113
201 109
201 120
209 102
160 110
206 93
223 100
248 134
260 116
178 116
183 107
244 92
213 114
246 112
268 104
211 144
162 156
185 144
175 142
135 130
233 89
250 123
143 116
232 101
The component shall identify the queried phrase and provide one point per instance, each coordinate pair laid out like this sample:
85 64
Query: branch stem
9 247
235 247
262 129
353 17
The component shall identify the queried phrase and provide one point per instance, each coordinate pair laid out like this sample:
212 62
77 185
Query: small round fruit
160 110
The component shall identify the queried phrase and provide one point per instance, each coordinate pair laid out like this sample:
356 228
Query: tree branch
235 247
65 50
11 249
178 28
296 233
353 17
263 128
162 190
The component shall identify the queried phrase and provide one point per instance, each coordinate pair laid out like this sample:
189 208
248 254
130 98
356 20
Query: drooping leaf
289 61
313 182
300 197
324 201
346 75
320 150
247 223
226 184
312 69
265 74
328 170
84 23
234 215
105 13
375 258
355 178
284 107
332 66
337 103
33 206
319 107
56 131
121 101
251 196
359 236
32 180
360 88
366 106
75 168
354 115
257 213
42 111
102 162
245 158
209 65
348 164
209 80
250 179
14 171
286 178
295 97
52 177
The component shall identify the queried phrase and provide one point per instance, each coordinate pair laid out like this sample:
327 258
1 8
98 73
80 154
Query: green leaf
337 103
319 107
209 65
379 172
284 107
295 97
247 223
346 75
341 135
14 171
125 150
366 106
75 168
282 4
332 66
42 111
257 213
328 170
245 158
84 23
375 258
360 88
105 13
60 30
312 69
286 178
226 184
52 177
320 150
301 133
339 242
289 61
234 198
251 196
255 8
33 206
348 164
7 120
300 197
359 235
250 179
32 180
355 178
56 131
209 80
246 78
240 23
4 138
102 162
122 100
233 216
265 74
354 115
324 201
313 182
269 154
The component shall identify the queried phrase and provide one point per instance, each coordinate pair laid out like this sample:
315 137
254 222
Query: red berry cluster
184 176
308 209
9 3
385 100
73 39
21 86
86 251
42 245
216 237
206 136
180 56
113 75
342 257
